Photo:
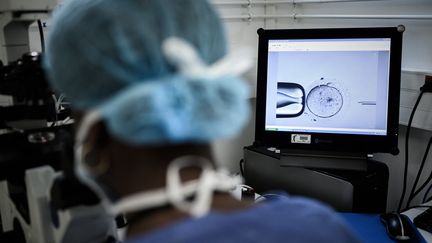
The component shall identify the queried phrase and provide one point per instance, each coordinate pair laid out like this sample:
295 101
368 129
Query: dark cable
427 193
241 167
419 172
406 150
55 114
418 206
424 183
41 34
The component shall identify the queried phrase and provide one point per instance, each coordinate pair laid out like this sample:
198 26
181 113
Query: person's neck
134 170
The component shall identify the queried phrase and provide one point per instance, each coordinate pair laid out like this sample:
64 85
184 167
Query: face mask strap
177 196
212 181
208 182
185 57
177 193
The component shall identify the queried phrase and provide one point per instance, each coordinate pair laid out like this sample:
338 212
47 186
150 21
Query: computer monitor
329 89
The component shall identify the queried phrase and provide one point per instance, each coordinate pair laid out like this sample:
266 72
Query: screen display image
338 86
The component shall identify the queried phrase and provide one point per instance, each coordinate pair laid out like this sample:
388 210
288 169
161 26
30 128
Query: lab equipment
38 194
371 229
360 187
33 217
26 99
16 16
351 84
350 110
36 201
397 226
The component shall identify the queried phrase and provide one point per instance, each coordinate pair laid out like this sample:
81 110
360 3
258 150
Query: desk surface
412 213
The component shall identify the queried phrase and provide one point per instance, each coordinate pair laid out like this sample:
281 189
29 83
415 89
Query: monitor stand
352 183
322 160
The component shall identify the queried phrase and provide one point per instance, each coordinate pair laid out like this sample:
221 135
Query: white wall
417 61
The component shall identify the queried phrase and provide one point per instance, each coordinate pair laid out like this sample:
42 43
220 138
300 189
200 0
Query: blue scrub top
285 219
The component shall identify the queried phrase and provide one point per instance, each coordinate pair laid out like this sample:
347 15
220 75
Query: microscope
41 200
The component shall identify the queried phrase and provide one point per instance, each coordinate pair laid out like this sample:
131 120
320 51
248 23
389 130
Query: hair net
107 55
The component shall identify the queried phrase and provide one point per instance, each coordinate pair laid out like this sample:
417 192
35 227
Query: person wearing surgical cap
152 86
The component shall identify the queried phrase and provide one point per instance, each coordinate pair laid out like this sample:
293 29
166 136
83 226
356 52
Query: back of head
107 55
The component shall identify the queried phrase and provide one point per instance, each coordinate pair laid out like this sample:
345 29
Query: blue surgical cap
106 55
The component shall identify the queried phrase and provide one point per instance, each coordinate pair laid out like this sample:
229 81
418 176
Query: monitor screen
325 88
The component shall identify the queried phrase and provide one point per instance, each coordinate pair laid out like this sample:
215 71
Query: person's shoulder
295 204
292 219
306 220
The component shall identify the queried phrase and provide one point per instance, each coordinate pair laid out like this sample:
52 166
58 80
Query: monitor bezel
332 141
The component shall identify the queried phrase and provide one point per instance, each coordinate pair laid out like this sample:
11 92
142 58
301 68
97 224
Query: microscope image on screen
290 99
318 100
325 100
338 88
337 91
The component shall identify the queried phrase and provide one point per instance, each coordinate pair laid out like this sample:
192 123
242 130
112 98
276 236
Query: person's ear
94 149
